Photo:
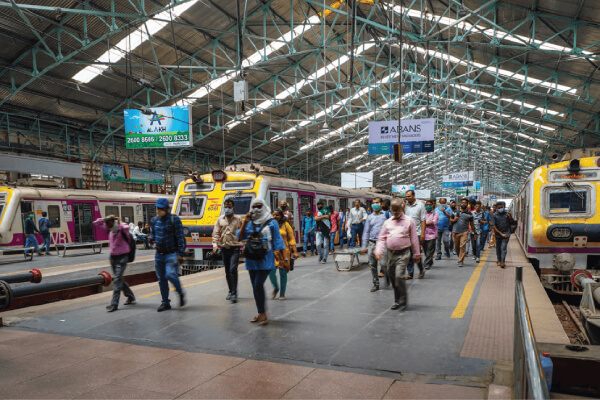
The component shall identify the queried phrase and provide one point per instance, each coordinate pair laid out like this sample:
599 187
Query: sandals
261 319
255 319
422 274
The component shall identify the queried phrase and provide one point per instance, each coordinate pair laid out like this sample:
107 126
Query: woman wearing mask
259 225
283 257
342 227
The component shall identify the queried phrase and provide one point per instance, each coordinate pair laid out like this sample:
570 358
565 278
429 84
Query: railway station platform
331 338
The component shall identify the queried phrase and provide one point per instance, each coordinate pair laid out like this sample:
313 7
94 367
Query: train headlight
219 176
561 233
564 262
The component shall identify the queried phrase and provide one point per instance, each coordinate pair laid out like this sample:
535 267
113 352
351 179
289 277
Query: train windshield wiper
579 194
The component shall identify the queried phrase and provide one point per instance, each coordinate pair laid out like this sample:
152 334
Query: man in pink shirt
399 235
431 222
118 244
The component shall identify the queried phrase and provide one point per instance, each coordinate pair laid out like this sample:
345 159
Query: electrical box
240 91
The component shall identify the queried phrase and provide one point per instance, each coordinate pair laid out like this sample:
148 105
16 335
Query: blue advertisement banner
158 127
457 184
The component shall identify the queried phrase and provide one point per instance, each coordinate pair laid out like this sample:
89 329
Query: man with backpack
30 230
167 233
45 225
119 244
323 231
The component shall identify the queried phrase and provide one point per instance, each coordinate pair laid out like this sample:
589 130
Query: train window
54 216
241 204
237 185
112 210
191 206
274 200
127 214
331 205
343 204
565 201
3 196
199 187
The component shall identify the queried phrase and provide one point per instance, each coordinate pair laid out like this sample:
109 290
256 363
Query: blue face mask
376 206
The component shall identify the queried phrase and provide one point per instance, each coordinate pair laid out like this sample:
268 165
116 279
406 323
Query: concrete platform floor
330 321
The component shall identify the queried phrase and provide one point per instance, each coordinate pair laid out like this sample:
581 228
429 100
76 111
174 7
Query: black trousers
231 258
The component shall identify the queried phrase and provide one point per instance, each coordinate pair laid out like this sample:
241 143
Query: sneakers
303 254
282 297
448 254
460 265
110 308
233 297
375 288
474 258
322 261
164 307
438 257
228 296
477 259
181 300
454 252
398 306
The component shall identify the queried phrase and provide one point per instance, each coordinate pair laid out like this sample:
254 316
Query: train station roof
510 83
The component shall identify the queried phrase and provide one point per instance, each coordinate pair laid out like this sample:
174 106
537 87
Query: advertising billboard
416 136
458 179
158 127
401 189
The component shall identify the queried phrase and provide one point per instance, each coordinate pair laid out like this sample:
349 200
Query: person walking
462 220
356 218
44 227
308 232
485 229
415 210
492 235
166 230
369 241
283 257
476 234
431 234
259 225
335 223
225 236
30 230
399 239
342 227
453 211
323 231
500 222
118 244
444 213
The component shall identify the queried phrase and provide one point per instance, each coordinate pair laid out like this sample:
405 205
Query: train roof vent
256 168
49 183
581 153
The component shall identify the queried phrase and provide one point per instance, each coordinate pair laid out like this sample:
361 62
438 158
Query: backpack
44 225
256 248
132 248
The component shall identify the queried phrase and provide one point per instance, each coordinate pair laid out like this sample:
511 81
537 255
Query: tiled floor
39 366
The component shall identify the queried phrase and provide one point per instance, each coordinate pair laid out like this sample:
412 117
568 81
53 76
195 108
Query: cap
162 203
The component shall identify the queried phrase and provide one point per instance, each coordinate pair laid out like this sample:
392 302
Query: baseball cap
162 203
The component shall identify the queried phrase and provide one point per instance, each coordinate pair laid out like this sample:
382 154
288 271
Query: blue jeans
501 247
258 278
323 251
342 237
309 239
145 240
46 246
482 239
166 266
355 231
332 241
32 242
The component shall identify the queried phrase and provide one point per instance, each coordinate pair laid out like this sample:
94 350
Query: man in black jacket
30 230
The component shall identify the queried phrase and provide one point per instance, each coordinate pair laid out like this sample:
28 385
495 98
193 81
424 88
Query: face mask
385 207
398 215
228 211
428 208
502 210
463 208
376 206
255 213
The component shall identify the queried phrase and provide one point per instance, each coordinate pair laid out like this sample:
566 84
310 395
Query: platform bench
24 250
350 256
68 246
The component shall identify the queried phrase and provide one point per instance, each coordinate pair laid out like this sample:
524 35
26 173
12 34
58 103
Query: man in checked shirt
399 236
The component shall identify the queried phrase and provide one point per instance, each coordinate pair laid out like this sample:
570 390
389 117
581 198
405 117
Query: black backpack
256 247
132 247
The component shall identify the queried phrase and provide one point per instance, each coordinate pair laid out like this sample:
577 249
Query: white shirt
356 216
417 212
137 233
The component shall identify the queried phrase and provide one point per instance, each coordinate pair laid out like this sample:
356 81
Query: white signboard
424 194
416 136
458 179
355 180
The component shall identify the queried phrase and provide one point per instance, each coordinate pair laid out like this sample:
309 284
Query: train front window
191 206
241 204
568 201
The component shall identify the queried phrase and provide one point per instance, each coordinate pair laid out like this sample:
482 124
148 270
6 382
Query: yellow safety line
463 303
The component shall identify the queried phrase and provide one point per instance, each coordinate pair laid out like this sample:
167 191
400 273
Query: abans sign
416 136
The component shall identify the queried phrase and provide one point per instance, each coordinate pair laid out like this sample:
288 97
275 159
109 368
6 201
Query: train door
274 200
26 211
343 204
306 203
149 212
83 218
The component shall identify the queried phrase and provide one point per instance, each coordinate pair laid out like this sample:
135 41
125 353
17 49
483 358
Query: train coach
558 223
71 212
199 201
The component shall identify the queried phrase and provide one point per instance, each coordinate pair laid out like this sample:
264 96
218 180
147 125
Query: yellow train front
558 224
